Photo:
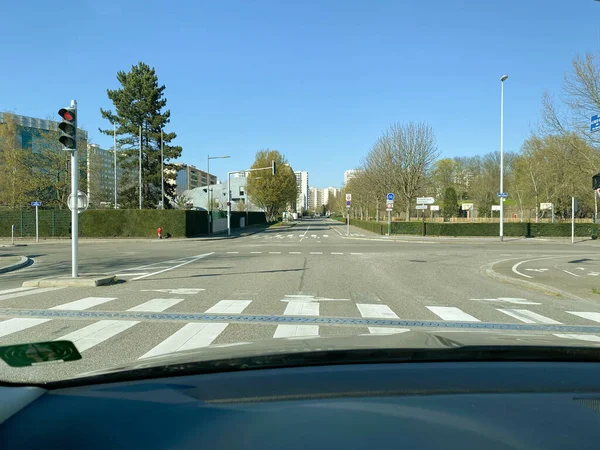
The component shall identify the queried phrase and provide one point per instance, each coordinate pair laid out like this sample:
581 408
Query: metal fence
52 223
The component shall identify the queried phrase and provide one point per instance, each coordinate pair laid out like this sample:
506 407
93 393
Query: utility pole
162 173
140 168
115 159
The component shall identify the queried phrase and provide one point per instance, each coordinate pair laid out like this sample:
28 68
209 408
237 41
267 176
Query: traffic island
10 263
83 280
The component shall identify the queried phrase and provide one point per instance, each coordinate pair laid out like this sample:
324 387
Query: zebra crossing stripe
190 336
284 331
594 316
451 313
156 304
387 330
229 307
581 337
96 333
84 303
526 316
376 311
301 309
11 326
28 292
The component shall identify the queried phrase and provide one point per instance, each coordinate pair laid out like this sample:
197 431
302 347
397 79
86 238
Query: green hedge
524 229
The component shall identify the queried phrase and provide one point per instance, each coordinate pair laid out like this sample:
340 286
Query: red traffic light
66 114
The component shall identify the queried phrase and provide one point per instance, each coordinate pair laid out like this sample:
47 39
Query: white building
349 174
302 184
328 194
315 198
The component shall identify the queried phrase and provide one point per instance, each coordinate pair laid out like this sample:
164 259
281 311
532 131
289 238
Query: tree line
557 161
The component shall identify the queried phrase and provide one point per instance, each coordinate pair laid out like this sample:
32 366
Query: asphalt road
309 280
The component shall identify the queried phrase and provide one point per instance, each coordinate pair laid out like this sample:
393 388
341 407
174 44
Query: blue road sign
595 123
502 194
36 203
348 203
390 197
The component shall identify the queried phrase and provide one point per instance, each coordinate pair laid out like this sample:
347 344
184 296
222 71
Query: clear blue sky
317 80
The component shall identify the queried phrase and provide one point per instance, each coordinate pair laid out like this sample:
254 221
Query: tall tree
450 208
16 181
272 192
140 102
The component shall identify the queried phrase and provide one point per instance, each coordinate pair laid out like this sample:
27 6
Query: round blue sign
390 197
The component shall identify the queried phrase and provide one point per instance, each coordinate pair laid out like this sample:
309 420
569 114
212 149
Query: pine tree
139 103
450 203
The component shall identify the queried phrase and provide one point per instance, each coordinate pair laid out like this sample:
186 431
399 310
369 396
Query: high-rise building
302 184
100 168
349 174
328 194
315 198
189 177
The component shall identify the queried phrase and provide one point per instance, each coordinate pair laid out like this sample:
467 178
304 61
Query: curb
24 261
85 280
538 287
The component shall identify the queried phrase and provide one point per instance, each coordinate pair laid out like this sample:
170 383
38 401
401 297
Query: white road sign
466 206
425 201
421 206
545 205
495 207
435 207
348 197
389 205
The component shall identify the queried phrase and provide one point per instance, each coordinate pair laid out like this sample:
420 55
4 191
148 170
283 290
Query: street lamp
209 206
502 80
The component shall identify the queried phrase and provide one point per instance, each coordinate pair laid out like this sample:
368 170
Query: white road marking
256 252
302 236
19 289
11 326
97 333
451 313
581 337
527 316
30 292
195 258
593 274
376 311
274 253
580 268
301 309
134 274
192 335
356 253
537 270
313 235
325 235
516 266
176 291
295 253
156 304
515 301
84 303
316 253
284 331
290 235
229 307
571 273
336 253
232 253
594 316
387 330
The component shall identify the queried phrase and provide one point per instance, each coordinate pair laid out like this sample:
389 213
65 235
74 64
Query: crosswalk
186 334
303 236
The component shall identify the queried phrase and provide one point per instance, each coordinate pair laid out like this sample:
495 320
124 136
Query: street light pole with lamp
502 80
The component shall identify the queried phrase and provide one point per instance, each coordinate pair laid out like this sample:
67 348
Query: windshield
254 174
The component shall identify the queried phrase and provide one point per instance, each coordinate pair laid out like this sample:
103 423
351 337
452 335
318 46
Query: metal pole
75 201
228 204
502 156
12 234
595 206
115 159
389 222
572 220
208 206
162 173
348 223
140 169
552 212
37 238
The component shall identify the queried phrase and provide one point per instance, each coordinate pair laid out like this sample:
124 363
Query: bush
375 227
141 223
561 229
407 228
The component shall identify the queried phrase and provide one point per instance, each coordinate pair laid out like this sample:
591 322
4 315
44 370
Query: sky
317 80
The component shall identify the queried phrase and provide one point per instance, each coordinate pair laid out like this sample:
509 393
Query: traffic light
273 168
68 128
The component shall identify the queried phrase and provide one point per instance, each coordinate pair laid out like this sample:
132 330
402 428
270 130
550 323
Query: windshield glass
254 174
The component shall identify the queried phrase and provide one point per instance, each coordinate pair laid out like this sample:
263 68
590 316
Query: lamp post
209 206
502 80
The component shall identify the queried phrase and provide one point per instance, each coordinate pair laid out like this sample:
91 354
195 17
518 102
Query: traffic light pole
74 207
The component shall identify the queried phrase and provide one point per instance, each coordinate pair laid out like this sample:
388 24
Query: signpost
594 123
37 205
348 204
545 206
503 195
389 206
433 208
425 201
421 207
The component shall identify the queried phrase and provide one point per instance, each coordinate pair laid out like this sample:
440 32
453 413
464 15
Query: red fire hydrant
159 232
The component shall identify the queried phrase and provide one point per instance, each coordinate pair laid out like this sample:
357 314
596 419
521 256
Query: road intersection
175 295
